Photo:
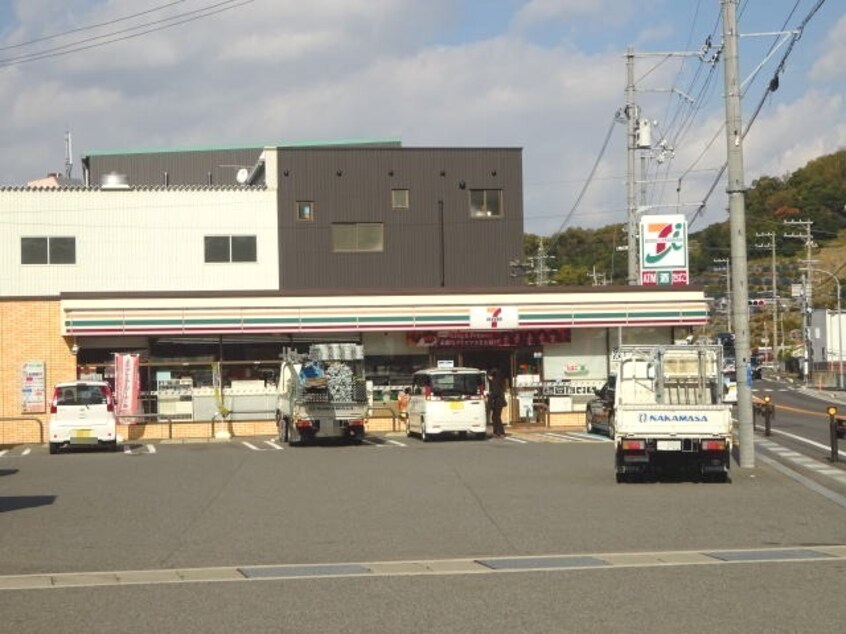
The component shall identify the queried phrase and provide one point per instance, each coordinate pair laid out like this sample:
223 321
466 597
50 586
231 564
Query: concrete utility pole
808 238
631 193
772 246
737 222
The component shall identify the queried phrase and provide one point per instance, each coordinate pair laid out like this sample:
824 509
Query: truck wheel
588 422
423 435
54 448
611 429
622 477
286 431
408 428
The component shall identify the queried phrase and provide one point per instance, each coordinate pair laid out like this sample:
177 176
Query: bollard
768 415
832 424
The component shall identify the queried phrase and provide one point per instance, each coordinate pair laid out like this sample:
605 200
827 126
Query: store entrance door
488 360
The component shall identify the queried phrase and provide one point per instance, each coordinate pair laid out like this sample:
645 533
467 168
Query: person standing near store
496 401
402 403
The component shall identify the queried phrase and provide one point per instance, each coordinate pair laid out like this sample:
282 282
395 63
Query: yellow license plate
455 405
82 433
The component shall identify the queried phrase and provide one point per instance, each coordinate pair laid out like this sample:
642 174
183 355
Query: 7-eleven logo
494 316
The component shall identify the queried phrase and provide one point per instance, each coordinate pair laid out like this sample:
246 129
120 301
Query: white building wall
585 357
137 240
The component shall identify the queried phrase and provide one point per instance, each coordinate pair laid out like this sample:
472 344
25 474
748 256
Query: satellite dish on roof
242 175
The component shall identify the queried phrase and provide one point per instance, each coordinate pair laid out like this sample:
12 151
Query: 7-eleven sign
493 317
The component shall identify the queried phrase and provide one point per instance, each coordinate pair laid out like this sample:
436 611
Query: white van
82 413
447 400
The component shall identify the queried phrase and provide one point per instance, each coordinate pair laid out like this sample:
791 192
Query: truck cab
599 415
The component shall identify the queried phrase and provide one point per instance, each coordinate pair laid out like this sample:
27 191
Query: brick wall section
30 331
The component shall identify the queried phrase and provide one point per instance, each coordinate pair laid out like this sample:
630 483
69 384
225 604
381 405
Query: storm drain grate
767 555
319 570
534 563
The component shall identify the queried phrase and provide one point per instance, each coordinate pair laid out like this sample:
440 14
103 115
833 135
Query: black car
599 415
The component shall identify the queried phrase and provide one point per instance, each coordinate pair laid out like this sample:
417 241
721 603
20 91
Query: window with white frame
230 249
48 250
399 198
486 203
357 237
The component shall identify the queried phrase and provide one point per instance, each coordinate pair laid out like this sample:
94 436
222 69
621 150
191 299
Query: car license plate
456 405
81 433
668 445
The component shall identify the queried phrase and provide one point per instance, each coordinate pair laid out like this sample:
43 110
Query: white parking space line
250 445
396 442
151 449
127 449
370 442
26 451
518 440
3 452
274 444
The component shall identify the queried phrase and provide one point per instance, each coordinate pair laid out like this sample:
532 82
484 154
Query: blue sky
543 75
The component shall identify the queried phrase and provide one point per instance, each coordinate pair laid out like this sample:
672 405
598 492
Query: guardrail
20 418
157 418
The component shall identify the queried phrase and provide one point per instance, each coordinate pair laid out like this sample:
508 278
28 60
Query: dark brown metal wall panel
354 185
182 168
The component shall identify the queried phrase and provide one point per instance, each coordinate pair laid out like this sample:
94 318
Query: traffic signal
757 302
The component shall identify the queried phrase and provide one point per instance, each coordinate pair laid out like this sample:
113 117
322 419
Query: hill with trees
815 192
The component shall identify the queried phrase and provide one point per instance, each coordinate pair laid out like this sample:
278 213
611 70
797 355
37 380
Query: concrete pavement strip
481 565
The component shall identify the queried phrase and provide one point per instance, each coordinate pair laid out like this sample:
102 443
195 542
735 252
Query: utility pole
737 222
727 262
808 239
598 278
772 246
631 194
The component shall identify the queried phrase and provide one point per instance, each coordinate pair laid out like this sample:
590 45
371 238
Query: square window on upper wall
399 198
305 210
486 203
48 250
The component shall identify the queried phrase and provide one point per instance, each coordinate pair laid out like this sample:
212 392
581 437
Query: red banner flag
127 386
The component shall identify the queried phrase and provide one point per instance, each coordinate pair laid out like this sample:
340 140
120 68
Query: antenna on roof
68 154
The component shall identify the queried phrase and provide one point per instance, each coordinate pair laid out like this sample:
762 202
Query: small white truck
669 415
322 395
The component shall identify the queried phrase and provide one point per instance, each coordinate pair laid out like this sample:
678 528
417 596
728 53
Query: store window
399 198
52 250
230 249
357 237
305 210
486 203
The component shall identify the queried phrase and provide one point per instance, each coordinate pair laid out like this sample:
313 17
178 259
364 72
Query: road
801 421
402 536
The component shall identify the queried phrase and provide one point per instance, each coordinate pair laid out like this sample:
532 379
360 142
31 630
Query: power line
89 27
771 87
155 26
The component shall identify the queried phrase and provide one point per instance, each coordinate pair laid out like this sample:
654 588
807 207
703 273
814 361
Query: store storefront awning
155 316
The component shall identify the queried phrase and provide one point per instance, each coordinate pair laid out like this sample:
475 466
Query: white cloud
831 65
277 71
